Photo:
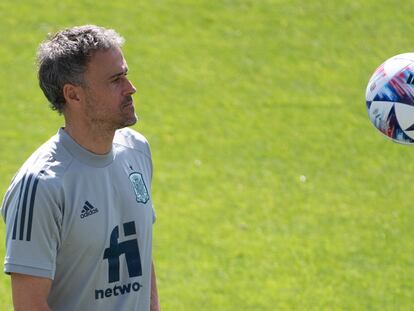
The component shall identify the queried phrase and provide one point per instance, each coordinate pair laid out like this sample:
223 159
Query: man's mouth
128 101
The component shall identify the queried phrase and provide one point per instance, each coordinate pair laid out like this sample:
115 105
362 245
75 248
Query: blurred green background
273 191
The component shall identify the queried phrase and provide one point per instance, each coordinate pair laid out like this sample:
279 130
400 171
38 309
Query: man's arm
155 303
30 293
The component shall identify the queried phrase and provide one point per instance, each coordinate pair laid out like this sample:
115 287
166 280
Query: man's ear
72 93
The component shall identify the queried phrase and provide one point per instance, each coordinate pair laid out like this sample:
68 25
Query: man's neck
93 140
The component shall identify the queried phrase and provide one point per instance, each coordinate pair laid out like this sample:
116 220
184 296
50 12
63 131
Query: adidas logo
88 209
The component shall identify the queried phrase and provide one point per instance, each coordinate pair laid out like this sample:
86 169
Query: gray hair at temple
64 56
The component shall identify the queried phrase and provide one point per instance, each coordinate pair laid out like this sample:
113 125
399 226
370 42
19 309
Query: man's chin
130 122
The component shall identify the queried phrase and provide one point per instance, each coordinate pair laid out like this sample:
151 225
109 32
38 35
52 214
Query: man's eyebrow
122 73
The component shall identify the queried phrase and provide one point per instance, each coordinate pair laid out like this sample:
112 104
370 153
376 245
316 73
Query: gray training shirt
84 221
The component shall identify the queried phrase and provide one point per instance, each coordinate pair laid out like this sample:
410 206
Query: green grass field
239 99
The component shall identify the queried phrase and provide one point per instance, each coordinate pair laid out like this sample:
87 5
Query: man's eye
118 78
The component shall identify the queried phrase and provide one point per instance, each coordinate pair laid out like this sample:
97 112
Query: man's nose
131 89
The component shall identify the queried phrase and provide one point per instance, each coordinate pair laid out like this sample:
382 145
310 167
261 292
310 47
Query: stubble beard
102 121
131 120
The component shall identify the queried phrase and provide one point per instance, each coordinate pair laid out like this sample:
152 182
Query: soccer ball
390 98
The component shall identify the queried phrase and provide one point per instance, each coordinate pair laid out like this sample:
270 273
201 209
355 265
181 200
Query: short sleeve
33 218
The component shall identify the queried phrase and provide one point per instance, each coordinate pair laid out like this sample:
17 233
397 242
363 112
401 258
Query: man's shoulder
131 139
42 173
49 161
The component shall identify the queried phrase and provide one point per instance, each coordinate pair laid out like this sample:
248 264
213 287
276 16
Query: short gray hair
64 56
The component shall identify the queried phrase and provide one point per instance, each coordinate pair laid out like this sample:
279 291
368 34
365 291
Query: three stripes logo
88 209
25 207
410 79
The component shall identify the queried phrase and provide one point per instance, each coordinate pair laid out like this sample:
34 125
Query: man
79 212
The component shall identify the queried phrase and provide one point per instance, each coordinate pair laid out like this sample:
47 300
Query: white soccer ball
390 98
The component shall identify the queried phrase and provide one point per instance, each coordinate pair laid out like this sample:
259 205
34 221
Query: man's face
108 92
